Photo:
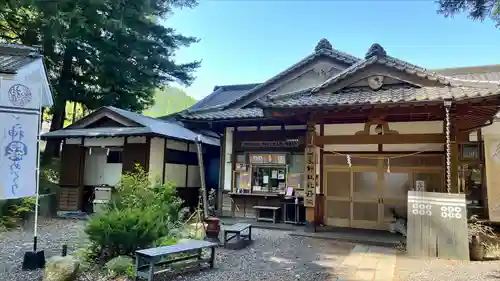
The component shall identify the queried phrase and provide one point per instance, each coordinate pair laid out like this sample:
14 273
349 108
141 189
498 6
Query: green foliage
13 210
120 266
139 214
169 100
167 241
101 52
477 9
49 176
135 190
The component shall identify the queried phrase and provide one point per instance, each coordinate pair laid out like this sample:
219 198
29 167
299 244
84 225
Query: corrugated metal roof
14 57
151 126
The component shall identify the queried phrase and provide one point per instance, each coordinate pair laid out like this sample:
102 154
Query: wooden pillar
310 177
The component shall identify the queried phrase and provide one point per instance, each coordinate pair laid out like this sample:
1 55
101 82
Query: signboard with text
260 158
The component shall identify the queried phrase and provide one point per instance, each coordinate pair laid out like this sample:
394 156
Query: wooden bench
241 239
259 209
148 260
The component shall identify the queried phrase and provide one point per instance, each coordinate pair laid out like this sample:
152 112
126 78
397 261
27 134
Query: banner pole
37 180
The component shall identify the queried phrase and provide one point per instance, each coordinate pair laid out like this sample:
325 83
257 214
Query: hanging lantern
349 161
388 165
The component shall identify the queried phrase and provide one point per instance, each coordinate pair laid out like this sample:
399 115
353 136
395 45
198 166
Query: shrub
120 266
135 190
138 215
49 176
13 210
166 241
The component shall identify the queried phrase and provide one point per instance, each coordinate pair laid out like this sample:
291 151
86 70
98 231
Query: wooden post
310 177
202 176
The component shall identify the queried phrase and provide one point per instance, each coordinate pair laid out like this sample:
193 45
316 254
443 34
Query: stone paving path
369 263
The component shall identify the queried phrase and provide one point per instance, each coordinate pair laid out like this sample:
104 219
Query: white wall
175 174
228 167
491 130
177 145
193 175
97 171
156 158
104 141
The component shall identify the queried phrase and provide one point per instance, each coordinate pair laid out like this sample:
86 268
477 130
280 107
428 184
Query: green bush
12 210
166 241
138 215
135 190
49 176
120 266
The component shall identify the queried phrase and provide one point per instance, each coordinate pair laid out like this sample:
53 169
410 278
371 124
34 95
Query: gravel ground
410 269
52 234
274 255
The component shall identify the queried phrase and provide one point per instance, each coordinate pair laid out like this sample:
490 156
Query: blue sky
251 41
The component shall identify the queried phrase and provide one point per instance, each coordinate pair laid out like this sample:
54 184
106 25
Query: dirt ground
412 269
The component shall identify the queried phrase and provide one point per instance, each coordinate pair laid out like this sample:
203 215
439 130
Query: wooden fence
437 225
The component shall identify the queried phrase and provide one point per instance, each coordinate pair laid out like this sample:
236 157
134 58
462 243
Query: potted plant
478 233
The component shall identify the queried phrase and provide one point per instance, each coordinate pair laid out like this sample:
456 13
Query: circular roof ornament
376 82
19 95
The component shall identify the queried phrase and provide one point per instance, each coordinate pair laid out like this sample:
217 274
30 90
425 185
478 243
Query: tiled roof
151 125
14 57
355 96
489 73
386 61
244 113
221 96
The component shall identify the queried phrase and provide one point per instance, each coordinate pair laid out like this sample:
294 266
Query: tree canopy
477 9
101 52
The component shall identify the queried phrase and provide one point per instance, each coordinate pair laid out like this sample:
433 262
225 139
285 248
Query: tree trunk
63 88
52 148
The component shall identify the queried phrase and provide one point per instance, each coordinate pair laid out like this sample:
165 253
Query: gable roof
144 125
377 55
457 83
323 49
13 57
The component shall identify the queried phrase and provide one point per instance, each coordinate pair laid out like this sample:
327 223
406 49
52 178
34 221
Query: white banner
18 153
16 94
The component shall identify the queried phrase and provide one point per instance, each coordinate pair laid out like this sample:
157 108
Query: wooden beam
381 139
